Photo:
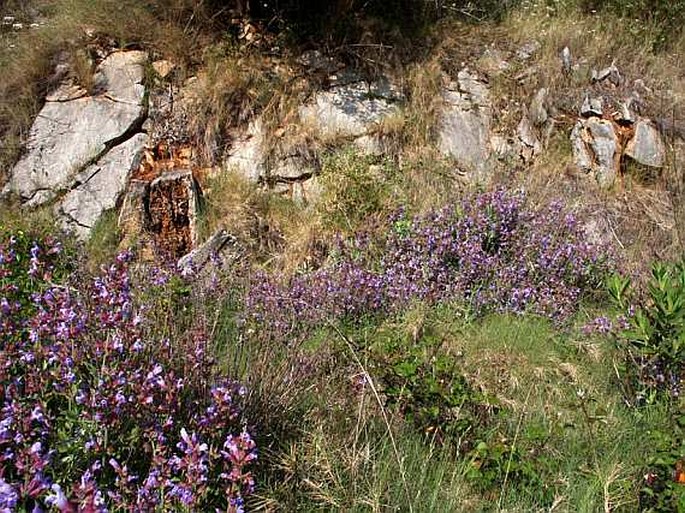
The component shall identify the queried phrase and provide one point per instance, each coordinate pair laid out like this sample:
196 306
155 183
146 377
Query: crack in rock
68 137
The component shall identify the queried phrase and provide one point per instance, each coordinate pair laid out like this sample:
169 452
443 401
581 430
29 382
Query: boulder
73 130
605 146
99 187
596 149
464 126
646 146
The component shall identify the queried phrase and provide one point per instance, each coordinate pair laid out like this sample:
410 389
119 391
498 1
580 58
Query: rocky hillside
380 255
137 134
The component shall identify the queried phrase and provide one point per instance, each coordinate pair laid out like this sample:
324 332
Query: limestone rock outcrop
464 127
99 187
646 147
76 129
351 107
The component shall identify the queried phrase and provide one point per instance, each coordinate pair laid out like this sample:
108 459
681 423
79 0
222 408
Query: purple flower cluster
492 251
95 412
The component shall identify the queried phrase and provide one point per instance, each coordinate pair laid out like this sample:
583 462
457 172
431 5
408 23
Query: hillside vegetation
400 337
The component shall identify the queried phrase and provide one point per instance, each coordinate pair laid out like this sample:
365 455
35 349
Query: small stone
591 107
610 73
566 60
538 112
528 50
198 258
163 68
625 115
529 141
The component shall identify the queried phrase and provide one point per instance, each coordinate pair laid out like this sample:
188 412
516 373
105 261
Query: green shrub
654 338
663 487
355 188
422 380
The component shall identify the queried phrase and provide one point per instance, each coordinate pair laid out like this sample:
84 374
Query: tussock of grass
103 245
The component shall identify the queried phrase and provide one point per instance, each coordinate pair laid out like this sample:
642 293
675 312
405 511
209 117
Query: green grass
103 244
566 440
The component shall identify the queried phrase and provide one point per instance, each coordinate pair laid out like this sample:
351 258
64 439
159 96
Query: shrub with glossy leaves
97 414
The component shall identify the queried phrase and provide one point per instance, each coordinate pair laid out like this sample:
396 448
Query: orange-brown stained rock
164 194
172 207
162 159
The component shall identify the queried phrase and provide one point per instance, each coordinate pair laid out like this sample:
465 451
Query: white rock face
465 126
350 109
100 187
291 168
247 154
72 130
